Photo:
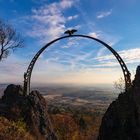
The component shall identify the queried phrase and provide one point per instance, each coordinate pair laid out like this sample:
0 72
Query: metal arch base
27 75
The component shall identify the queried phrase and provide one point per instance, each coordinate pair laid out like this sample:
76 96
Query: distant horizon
72 60
35 85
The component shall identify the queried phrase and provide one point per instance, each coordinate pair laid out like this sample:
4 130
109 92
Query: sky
72 60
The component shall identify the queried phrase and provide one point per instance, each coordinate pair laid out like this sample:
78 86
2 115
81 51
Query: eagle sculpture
70 32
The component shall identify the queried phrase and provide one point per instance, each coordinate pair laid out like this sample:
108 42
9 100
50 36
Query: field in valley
76 112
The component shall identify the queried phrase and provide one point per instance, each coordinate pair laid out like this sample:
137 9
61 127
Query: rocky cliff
31 109
122 119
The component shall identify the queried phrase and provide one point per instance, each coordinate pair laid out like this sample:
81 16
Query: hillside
31 109
64 113
122 119
71 114
76 113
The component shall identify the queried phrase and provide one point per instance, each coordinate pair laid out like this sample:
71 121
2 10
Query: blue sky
75 61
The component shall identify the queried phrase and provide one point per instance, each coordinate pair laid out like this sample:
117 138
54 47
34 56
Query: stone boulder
122 119
31 109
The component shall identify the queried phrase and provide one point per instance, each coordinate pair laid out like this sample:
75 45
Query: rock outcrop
122 119
31 109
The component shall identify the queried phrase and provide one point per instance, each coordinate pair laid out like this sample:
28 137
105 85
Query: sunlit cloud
110 39
52 72
130 56
64 67
49 21
93 34
66 3
104 14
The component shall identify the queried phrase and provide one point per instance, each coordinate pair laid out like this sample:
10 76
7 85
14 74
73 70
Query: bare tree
120 84
9 40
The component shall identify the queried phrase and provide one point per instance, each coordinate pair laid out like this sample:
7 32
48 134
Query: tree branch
9 40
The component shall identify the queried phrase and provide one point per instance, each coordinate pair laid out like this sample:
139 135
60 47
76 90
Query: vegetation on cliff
11 130
76 124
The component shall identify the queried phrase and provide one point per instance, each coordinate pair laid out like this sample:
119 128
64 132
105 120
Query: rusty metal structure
28 73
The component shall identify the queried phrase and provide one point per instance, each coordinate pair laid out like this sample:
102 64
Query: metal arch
27 75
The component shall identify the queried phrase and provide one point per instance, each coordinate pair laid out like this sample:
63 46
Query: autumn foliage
76 127
10 130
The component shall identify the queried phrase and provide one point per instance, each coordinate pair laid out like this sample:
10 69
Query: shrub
10 130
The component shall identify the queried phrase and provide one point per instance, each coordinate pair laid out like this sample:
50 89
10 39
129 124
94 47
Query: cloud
48 21
129 56
63 67
93 34
66 3
72 17
72 42
94 76
101 51
104 14
12 69
110 39
53 72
